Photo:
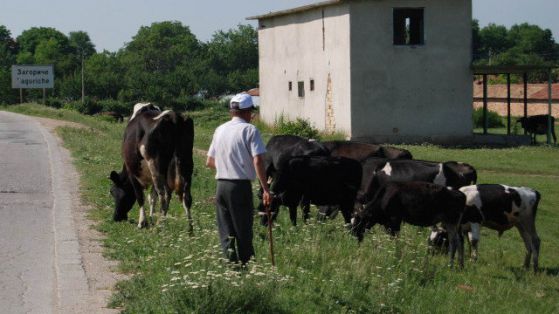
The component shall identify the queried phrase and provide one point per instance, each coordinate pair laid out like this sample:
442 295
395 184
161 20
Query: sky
112 23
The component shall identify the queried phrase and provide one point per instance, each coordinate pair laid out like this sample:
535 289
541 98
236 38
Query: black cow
502 207
323 180
538 125
279 149
417 203
360 151
157 152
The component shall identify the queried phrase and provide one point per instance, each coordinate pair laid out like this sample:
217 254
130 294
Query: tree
476 41
532 40
81 44
104 75
160 62
8 51
234 55
31 38
494 40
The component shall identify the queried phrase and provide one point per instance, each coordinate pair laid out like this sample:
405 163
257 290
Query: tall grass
320 267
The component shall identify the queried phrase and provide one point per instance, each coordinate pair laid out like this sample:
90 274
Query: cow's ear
115 178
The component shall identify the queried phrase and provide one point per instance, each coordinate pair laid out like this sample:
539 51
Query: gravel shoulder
100 273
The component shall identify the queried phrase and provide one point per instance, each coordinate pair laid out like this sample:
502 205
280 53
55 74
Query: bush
89 106
54 102
186 103
116 106
493 119
300 127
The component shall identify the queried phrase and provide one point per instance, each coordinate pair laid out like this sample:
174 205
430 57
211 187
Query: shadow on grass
520 272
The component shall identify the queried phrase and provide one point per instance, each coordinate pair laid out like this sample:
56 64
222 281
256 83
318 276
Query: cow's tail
535 208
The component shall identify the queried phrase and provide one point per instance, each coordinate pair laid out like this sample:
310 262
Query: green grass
320 267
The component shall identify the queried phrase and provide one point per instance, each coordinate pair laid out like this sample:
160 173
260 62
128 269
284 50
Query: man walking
236 152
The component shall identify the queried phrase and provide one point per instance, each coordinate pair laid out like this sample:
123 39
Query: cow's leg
306 206
139 191
159 183
455 242
293 214
532 243
152 199
346 213
186 201
473 237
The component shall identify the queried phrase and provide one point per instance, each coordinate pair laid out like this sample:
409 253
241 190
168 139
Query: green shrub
186 103
493 119
89 106
116 106
54 102
300 127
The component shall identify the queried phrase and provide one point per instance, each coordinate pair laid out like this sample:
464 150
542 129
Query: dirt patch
100 272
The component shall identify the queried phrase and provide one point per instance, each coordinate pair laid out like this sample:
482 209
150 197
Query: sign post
32 76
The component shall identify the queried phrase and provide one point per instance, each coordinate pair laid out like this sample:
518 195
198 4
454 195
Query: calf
538 125
450 173
502 207
417 203
279 149
323 180
360 151
157 152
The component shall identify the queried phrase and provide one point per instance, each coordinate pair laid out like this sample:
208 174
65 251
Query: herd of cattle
370 184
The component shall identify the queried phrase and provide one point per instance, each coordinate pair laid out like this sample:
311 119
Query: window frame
415 35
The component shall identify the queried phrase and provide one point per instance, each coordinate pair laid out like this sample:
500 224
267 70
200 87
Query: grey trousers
234 212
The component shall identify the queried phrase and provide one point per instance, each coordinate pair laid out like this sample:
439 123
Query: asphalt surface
41 269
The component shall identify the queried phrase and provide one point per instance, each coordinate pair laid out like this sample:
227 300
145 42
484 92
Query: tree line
167 64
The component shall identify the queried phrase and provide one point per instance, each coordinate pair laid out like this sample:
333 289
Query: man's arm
210 162
258 162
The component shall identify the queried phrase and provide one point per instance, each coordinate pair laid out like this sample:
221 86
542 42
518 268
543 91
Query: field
320 267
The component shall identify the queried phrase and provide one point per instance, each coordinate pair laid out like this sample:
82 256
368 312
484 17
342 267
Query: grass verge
320 267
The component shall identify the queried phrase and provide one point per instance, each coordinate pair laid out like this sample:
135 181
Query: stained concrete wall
310 45
411 93
365 86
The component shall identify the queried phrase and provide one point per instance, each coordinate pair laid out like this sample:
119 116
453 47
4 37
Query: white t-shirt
233 147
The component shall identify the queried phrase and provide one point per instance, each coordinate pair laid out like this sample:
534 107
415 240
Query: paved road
41 269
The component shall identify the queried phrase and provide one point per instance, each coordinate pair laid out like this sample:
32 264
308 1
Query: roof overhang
295 10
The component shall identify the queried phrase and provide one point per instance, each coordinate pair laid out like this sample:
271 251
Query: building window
312 85
408 26
301 89
290 86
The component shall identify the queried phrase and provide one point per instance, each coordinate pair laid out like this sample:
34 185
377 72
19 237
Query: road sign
32 76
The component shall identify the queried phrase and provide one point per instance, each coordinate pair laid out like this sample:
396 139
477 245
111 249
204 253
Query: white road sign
32 76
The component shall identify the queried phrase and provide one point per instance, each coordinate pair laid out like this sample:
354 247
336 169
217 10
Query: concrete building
384 71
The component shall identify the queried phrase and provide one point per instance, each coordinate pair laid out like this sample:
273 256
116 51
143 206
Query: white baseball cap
241 101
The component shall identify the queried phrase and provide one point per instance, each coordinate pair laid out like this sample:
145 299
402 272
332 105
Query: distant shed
379 71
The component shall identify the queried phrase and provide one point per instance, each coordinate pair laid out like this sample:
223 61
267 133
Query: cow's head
364 217
438 240
123 195
523 121
459 174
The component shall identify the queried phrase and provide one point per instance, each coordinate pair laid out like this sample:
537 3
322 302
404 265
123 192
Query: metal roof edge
295 10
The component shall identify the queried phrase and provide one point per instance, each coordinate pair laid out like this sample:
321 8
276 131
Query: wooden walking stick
269 214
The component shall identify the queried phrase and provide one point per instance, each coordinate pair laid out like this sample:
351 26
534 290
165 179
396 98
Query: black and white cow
322 180
157 152
360 151
538 124
279 149
502 207
417 203
450 173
